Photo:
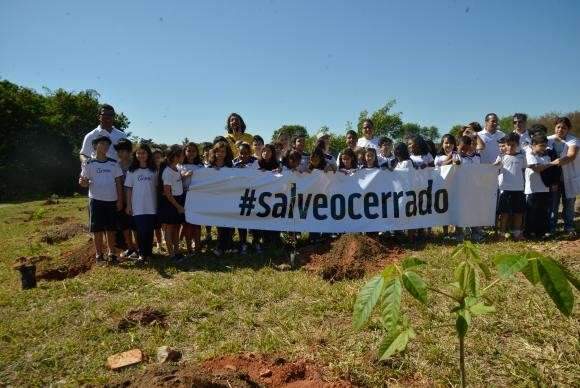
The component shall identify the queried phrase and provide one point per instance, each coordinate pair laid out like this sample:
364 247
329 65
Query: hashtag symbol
247 203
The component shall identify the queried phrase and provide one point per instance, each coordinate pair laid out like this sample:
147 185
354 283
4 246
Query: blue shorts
102 216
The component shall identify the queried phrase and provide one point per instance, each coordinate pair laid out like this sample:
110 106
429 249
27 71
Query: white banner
367 201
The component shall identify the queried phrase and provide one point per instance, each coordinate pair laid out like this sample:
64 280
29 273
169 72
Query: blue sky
178 68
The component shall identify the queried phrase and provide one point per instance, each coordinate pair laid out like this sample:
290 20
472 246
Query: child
419 152
158 158
299 143
171 200
103 177
257 145
447 151
292 160
347 163
360 156
538 195
191 162
244 159
124 149
467 154
317 160
219 157
267 162
141 197
371 158
403 158
205 160
511 185
385 156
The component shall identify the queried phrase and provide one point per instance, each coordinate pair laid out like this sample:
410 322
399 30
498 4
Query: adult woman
236 132
566 146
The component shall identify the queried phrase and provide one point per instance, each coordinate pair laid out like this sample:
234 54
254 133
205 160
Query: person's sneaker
100 260
113 259
244 249
218 252
139 260
571 235
134 254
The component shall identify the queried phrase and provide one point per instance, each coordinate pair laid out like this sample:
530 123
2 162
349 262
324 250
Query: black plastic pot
28 276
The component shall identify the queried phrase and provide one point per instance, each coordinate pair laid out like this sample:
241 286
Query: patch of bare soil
58 220
70 264
146 316
351 256
62 232
244 370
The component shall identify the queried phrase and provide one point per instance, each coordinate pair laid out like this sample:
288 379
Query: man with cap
105 128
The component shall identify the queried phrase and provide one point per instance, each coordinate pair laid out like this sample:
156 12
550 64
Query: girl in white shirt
141 197
171 200
420 152
191 162
447 151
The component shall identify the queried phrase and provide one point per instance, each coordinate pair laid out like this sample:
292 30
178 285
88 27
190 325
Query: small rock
167 354
121 360
283 267
265 373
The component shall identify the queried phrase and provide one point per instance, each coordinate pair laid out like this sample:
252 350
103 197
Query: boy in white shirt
511 205
537 193
104 178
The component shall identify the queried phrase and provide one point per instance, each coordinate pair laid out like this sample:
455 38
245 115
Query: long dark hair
242 124
228 158
150 162
451 139
401 152
173 152
320 153
353 159
271 164
196 159
374 152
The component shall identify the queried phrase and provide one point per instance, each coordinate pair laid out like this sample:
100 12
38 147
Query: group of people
139 192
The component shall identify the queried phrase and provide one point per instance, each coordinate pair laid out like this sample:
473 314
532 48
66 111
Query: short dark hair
369 121
520 116
537 129
217 139
242 123
124 145
100 139
512 137
258 139
539 138
385 140
487 116
465 140
563 120
296 137
352 133
106 107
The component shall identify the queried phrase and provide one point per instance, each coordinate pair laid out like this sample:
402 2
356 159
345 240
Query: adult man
490 136
368 140
520 120
105 128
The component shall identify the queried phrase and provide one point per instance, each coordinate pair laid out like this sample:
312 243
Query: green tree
385 122
289 130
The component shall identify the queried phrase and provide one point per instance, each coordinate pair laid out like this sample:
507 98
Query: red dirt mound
70 264
351 256
146 316
245 370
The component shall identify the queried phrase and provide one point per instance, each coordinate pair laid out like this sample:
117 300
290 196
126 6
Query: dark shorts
168 214
102 215
125 221
512 202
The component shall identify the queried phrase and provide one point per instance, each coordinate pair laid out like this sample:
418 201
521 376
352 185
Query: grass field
62 332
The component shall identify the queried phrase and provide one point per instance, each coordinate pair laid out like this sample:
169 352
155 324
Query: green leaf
462 322
467 278
556 285
391 304
366 300
411 262
481 309
571 276
531 271
389 272
457 251
508 264
415 285
395 342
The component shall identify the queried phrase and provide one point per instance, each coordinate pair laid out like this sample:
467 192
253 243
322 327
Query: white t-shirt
143 182
570 171
115 135
384 159
511 173
469 159
491 151
363 142
525 140
186 180
422 161
534 182
404 165
304 161
102 176
172 178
